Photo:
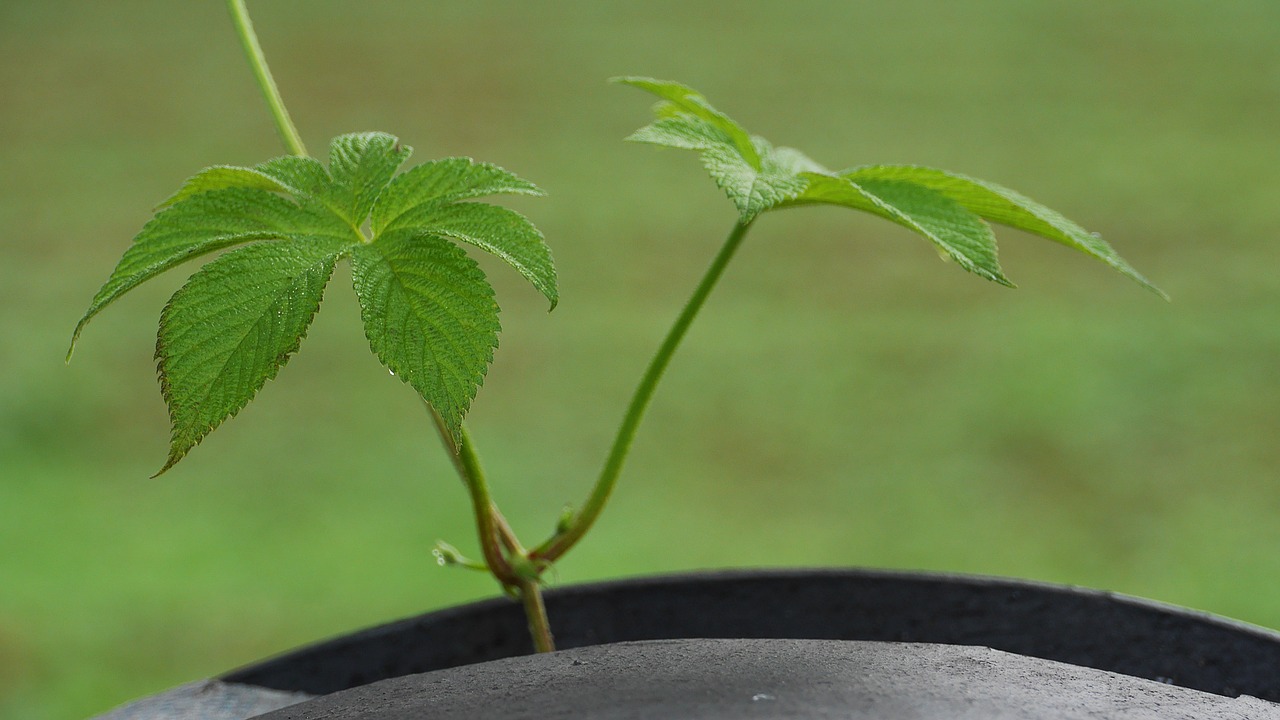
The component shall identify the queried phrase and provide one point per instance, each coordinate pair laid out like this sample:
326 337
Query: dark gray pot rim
1087 628
796 679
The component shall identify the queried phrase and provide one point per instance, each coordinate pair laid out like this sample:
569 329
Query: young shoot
275 231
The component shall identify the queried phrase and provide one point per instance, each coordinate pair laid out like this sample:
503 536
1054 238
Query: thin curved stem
258 62
590 511
482 501
505 533
491 526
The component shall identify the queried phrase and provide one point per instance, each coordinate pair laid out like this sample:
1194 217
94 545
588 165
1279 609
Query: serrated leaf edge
451 422
176 455
381 225
220 242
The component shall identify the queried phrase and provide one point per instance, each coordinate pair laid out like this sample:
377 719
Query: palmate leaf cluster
428 311
948 209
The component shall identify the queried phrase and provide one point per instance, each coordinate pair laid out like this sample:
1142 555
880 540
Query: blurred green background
846 399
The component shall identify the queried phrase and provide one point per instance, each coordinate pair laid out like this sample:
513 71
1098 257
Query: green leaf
958 233
315 189
428 310
361 165
497 230
220 177
232 327
1002 205
200 224
946 208
429 315
427 199
755 175
439 182
683 101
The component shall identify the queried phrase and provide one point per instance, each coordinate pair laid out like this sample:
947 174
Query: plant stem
492 528
586 517
483 503
490 525
505 533
536 612
258 62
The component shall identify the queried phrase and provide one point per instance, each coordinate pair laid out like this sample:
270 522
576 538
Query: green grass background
846 400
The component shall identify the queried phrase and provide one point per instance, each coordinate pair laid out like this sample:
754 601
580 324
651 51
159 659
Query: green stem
482 501
257 61
586 517
493 528
488 520
505 533
536 612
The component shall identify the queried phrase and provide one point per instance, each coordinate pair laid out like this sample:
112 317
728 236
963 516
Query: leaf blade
429 316
231 328
1006 207
361 165
439 182
685 100
500 231
958 233
754 175
221 177
198 225
315 188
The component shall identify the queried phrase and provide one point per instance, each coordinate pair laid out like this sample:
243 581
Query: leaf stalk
258 62
498 542
496 537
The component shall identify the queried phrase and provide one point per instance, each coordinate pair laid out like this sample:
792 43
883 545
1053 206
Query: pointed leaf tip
755 175
1001 205
429 200
362 165
232 327
221 177
169 463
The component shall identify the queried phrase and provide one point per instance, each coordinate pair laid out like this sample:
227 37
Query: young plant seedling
429 313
